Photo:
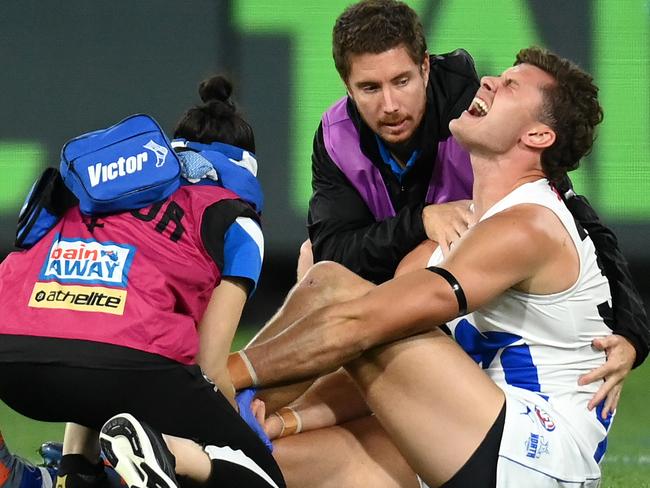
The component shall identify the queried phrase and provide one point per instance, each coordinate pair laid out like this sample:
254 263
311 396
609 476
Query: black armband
453 282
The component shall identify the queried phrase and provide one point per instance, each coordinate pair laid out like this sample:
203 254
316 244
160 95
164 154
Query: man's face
389 90
505 110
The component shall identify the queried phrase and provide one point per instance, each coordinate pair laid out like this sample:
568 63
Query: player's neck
496 177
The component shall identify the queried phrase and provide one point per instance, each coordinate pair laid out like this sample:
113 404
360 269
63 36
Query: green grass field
626 464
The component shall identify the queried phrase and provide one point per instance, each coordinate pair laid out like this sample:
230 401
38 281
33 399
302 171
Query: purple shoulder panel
341 139
452 177
451 180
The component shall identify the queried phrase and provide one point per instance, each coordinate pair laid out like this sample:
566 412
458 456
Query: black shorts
54 386
481 468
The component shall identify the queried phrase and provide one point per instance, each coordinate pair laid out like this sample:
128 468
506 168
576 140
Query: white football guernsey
535 347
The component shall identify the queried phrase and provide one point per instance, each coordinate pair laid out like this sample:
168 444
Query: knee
306 250
324 273
305 259
327 282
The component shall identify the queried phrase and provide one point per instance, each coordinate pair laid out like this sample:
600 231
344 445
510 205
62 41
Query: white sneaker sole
128 449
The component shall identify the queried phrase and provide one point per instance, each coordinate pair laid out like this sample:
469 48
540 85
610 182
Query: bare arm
417 258
217 329
415 302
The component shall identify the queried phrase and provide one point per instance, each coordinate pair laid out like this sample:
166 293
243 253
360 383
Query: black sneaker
138 453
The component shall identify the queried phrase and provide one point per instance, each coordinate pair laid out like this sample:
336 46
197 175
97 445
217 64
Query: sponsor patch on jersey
545 419
88 262
79 298
536 445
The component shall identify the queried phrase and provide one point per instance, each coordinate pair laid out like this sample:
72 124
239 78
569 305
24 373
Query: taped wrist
455 286
291 421
241 370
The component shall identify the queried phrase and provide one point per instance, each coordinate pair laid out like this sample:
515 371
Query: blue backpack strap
235 168
44 206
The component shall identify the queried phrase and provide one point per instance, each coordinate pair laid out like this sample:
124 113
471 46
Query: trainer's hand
620 358
445 223
252 410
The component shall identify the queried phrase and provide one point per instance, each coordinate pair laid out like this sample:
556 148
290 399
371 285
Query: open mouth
478 107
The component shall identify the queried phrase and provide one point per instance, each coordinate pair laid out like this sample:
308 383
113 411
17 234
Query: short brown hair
375 26
570 107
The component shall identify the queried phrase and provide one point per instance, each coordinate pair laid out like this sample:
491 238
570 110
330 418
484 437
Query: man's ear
348 91
539 137
425 67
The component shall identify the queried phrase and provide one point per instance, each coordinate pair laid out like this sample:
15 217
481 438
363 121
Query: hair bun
215 88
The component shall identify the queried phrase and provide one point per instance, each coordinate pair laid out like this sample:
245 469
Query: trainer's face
389 90
505 110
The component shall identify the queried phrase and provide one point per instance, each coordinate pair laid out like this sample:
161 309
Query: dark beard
403 150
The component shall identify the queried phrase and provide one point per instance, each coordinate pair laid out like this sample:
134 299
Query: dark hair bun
215 88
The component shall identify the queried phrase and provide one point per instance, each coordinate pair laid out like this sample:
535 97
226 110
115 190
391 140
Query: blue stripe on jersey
602 446
516 361
243 250
519 369
482 347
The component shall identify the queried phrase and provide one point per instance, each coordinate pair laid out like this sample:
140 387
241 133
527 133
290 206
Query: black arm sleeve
342 228
630 319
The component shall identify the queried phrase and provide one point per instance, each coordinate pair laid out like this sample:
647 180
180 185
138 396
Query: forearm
216 331
331 400
312 346
370 249
224 384
215 368
334 335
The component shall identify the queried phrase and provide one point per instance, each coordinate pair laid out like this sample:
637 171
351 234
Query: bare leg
435 403
191 459
325 283
333 399
356 454
81 440
305 260
352 455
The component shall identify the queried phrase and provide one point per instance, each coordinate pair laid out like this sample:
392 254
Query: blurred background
79 65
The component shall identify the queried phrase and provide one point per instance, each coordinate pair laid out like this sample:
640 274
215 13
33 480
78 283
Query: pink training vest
140 281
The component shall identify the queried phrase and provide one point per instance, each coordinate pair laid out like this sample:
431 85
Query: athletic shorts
536 449
539 447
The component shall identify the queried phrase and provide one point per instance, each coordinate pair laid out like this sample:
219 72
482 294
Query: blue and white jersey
243 250
535 347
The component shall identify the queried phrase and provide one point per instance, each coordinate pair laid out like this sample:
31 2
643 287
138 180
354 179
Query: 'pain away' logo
88 262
